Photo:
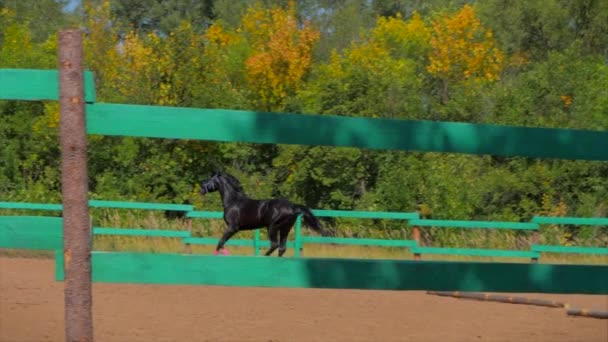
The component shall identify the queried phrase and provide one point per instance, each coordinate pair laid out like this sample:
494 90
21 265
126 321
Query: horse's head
221 181
210 185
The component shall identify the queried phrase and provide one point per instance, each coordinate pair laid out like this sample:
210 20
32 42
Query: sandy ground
32 309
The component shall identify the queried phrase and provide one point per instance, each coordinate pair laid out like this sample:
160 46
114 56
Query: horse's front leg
228 233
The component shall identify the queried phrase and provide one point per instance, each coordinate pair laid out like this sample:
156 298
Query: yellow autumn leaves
462 49
270 54
280 52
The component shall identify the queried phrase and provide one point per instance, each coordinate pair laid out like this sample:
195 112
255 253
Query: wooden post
74 189
535 237
416 235
188 247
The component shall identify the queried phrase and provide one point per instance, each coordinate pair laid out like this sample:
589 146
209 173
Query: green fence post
298 240
256 243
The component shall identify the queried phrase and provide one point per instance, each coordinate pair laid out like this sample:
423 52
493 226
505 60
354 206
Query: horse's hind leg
273 234
283 243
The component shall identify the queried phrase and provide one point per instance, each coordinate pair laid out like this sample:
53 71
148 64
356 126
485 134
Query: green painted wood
206 214
33 85
139 205
475 252
232 242
569 249
324 213
580 221
359 242
31 206
99 204
365 214
193 269
256 242
141 232
329 130
31 232
266 244
475 224
214 241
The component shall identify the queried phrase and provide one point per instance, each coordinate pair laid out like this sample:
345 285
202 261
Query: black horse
244 213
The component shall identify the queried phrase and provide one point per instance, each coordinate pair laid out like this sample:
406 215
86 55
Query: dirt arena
31 309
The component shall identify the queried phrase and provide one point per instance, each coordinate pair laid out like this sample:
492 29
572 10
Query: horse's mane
232 181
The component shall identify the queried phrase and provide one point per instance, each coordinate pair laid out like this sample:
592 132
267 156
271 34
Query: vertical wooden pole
188 247
416 235
535 237
74 189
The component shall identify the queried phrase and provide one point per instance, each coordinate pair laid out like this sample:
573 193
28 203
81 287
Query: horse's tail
311 220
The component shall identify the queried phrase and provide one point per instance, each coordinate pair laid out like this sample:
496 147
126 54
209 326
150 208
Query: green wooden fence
47 236
420 250
262 127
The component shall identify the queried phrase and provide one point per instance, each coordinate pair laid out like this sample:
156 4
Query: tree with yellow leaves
281 54
463 50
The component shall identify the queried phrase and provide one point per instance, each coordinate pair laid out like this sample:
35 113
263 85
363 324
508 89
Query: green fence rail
99 204
390 134
31 232
33 85
475 224
183 269
570 249
578 221
330 130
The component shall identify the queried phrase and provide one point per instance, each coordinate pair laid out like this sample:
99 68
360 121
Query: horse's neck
229 194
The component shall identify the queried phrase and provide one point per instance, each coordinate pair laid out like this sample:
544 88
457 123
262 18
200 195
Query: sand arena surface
32 309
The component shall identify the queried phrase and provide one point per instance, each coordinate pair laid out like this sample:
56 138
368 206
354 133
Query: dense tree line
540 63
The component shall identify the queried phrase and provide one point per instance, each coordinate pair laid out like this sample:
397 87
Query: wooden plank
569 249
141 232
232 242
139 205
324 213
31 232
148 268
99 204
579 221
206 214
358 242
365 214
31 206
475 252
475 224
214 241
34 85
332 130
